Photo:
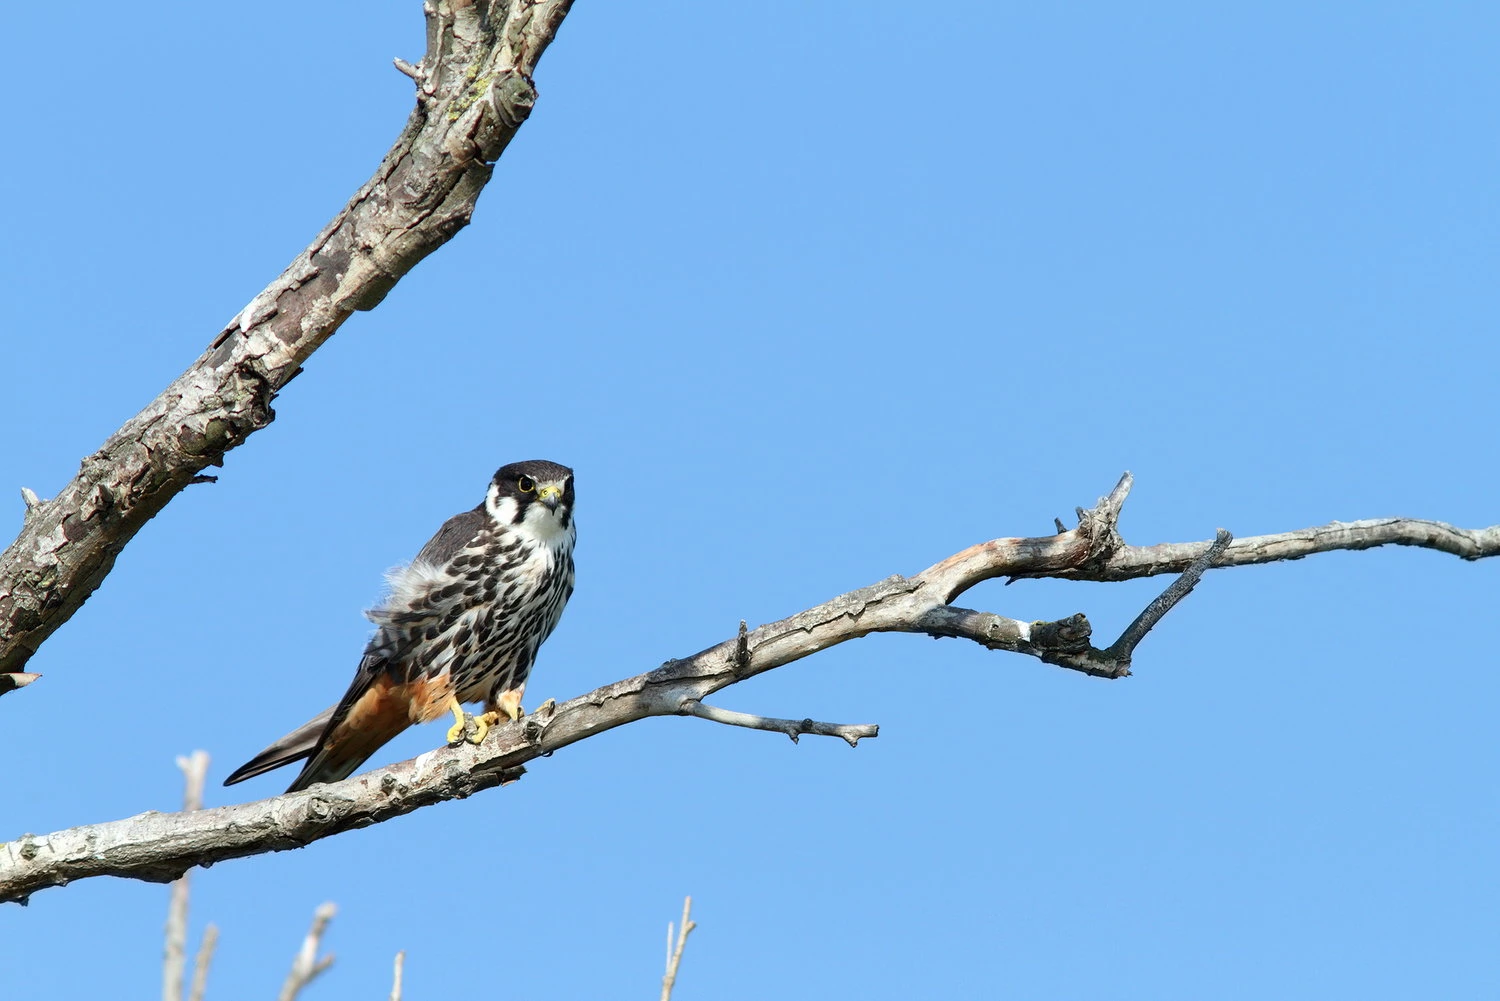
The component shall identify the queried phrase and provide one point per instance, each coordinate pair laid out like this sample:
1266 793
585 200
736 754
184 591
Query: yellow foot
482 724
459 731
456 731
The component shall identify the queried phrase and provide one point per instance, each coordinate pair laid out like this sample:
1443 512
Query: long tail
295 746
340 739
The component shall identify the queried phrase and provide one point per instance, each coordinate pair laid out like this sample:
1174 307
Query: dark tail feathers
295 746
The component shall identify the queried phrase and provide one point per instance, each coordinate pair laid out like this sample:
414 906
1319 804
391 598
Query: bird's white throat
540 526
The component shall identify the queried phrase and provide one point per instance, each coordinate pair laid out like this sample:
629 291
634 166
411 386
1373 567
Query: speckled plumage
465 619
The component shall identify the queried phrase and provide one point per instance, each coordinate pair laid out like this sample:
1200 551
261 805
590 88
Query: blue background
809 294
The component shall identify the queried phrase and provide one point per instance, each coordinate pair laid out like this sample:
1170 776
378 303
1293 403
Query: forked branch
163 846
307 965
674 949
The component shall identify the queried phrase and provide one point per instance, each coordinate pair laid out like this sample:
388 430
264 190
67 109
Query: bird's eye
526 484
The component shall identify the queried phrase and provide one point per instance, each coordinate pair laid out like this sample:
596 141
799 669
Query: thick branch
474 91
162 846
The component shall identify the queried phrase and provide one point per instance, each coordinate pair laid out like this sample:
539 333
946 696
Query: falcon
462 623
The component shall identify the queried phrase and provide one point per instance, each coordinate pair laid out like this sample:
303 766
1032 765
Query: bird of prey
462 623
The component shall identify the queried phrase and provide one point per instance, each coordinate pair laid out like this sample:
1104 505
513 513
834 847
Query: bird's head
535 496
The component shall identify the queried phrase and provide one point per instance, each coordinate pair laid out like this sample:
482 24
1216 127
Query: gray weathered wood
160 847
473 92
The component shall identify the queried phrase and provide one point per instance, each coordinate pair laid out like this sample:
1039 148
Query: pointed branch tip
396 978
674 950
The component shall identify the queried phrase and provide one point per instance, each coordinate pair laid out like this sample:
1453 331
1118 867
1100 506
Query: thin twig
852 732
674 956
1123 647
396 977
194 768
202 961
307 966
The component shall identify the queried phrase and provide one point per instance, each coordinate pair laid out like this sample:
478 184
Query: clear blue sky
809 294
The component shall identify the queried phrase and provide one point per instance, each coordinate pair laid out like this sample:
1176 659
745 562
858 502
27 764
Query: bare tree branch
306 967
396 975
162 846
793 728
194 769
674 955
474 89
1122 648
202 962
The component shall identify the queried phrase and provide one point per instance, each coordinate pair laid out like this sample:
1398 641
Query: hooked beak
550 494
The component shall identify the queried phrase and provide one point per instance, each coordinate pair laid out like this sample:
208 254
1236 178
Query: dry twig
306 967
396 975
674 955
162 846
194 769
793 728
202 961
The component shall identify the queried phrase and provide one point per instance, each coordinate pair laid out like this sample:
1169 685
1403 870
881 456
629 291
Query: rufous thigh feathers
382 711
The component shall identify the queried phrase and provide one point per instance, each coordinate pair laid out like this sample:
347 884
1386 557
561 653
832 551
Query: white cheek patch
502 509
